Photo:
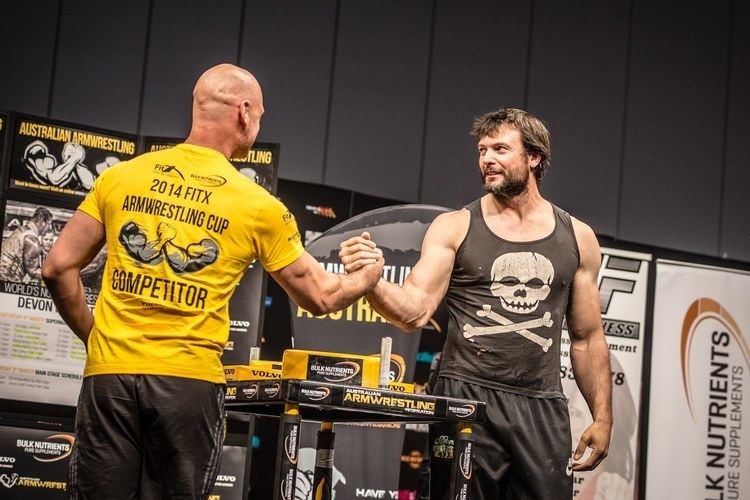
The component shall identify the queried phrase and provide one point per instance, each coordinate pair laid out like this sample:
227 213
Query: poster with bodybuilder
51 156
40 358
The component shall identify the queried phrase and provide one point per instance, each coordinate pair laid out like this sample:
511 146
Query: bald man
181 227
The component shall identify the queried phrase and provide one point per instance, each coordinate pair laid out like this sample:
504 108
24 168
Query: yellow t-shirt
182 227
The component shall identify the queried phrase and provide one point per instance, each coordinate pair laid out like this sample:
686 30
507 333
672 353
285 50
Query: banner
246 304
231 475
368 459
41 360
316 208
698 439
34 463
50 156
3 128
623 280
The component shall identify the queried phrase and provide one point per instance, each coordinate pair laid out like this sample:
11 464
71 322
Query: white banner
40 358
623 279
698 446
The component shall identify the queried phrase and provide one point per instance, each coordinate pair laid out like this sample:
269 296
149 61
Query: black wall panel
288 45
674 137
100 54
185 39
28 31
646 99
735 217
377 104
577 86
478 65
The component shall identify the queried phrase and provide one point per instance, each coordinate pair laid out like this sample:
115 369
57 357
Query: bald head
227 105
224 85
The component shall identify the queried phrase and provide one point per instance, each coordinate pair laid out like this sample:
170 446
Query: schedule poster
50 156
40 358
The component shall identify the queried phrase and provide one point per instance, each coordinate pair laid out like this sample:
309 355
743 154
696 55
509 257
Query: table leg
287 453
323 478
462 465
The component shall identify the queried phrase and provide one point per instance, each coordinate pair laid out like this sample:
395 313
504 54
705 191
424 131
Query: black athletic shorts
146 437
523 451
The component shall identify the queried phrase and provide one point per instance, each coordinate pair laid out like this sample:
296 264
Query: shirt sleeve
91 203
279 241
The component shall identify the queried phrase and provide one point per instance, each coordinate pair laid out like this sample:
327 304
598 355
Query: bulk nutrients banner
623 279
699 437
34 463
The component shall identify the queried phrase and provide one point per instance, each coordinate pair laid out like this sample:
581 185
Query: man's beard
510 187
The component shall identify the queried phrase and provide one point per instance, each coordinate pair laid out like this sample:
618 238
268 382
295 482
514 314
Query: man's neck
212 139
523 205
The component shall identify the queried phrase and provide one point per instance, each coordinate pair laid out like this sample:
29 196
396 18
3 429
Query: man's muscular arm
32 251
589 353
78 243
320 292
72 155
411 306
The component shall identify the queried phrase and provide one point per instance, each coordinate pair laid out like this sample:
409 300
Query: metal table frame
295 400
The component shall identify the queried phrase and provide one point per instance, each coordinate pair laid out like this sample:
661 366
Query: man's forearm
397 306
348 288
70 299
590 362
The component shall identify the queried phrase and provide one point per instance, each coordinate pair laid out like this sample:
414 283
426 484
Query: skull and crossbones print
521 281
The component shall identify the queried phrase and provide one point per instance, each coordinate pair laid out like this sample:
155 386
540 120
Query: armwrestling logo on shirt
181 258
521 281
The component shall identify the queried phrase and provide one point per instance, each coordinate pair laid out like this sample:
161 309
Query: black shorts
146 436
523 451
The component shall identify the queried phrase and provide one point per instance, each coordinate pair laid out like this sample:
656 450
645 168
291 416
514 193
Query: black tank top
506 303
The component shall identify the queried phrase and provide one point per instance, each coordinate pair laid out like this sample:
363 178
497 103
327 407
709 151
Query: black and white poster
260 164
41 360
50 156
247 303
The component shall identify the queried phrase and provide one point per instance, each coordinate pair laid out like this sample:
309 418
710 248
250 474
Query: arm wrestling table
294 400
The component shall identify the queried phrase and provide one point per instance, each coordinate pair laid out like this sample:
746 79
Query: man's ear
534 160
244 113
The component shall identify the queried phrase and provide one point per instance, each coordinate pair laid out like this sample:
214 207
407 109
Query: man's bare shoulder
450 227
588 244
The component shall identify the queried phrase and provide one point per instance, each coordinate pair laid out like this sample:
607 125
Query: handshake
361 256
